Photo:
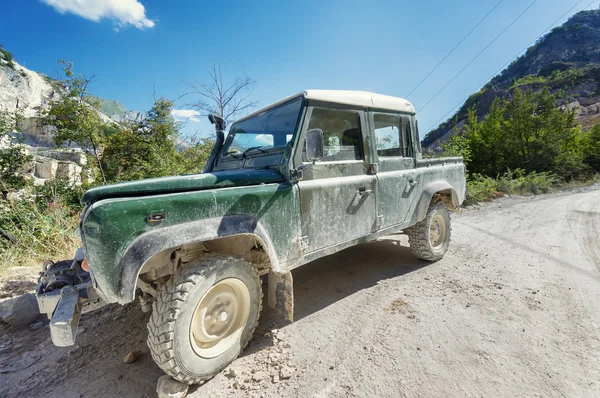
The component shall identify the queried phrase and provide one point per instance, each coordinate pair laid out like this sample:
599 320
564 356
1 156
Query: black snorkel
220 125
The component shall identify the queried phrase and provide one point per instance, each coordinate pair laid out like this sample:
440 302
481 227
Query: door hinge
379 221
374 168
304 242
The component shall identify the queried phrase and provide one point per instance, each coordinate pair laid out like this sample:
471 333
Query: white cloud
186 114
124 12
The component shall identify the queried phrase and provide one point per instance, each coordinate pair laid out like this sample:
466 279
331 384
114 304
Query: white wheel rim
220 317
437 231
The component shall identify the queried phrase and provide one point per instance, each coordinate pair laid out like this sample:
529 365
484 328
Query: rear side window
342 134
393 135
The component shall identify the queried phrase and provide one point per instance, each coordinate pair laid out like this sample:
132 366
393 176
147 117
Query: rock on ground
19 311
167 387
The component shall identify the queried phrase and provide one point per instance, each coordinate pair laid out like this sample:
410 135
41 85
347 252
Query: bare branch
227 101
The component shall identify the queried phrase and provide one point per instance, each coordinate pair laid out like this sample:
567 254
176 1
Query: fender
440 186
147 245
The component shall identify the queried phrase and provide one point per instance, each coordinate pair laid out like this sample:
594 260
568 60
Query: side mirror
314 145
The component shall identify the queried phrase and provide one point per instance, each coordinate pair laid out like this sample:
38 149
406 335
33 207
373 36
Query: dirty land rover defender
303 178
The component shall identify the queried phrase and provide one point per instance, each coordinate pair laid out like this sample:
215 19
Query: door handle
412 182
365 192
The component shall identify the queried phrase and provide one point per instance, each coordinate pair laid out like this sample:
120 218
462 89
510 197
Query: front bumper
64 302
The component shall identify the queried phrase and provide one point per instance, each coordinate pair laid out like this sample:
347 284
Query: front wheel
429 239
204 317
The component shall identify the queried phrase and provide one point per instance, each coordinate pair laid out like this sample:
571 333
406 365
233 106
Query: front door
337 195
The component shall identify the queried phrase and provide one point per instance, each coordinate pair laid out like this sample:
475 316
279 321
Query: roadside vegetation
525 145
39 222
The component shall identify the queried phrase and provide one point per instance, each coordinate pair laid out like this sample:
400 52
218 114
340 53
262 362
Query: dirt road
512 310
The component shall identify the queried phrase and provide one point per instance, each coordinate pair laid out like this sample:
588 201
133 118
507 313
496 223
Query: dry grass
41 232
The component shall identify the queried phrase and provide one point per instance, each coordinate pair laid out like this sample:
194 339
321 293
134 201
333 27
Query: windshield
271 129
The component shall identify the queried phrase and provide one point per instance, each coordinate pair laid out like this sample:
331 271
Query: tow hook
65 320
65 292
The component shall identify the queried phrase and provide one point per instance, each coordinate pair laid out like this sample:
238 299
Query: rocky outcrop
68 164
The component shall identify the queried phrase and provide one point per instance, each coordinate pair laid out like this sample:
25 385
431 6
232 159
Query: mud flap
65 320
281 294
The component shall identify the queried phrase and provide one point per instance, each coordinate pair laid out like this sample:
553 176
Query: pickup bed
303 178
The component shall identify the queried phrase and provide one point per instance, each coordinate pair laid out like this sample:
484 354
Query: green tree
592 148
12 155
145 149
75 115
194 156
525 132
458 145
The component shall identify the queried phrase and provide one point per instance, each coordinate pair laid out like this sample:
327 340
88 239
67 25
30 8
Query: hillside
566 61
117 112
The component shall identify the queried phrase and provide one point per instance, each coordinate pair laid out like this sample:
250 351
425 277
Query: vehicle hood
218 179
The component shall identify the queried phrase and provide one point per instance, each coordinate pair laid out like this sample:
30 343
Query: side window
342 134
392 133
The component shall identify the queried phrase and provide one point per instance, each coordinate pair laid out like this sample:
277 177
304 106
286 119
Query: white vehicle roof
361 98
348 97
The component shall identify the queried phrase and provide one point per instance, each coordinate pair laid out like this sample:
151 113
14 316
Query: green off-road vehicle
303 178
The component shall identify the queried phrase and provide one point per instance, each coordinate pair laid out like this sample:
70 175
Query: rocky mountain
566 61
117 112
29 91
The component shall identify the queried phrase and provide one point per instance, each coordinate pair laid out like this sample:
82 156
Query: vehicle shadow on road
325 281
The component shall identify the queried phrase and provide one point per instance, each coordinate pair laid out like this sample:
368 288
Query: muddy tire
429 239
204 317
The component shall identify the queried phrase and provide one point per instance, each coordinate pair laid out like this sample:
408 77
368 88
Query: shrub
518 182
8 57
40 222
40 232
481 188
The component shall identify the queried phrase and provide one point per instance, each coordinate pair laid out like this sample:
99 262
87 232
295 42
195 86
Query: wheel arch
441 191
217 233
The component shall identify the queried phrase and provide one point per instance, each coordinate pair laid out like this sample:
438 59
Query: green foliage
526 132
147 149
481 188
42 230
519 182
193 158
8 57
529 79
12 156
75 115
457 145
591 151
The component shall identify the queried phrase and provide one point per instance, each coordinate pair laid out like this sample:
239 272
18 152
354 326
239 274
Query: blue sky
137 46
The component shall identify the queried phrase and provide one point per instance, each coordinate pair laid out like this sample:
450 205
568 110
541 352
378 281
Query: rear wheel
204 317
429 239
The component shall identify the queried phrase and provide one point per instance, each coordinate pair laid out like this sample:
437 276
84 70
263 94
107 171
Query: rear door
397 178
337 194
